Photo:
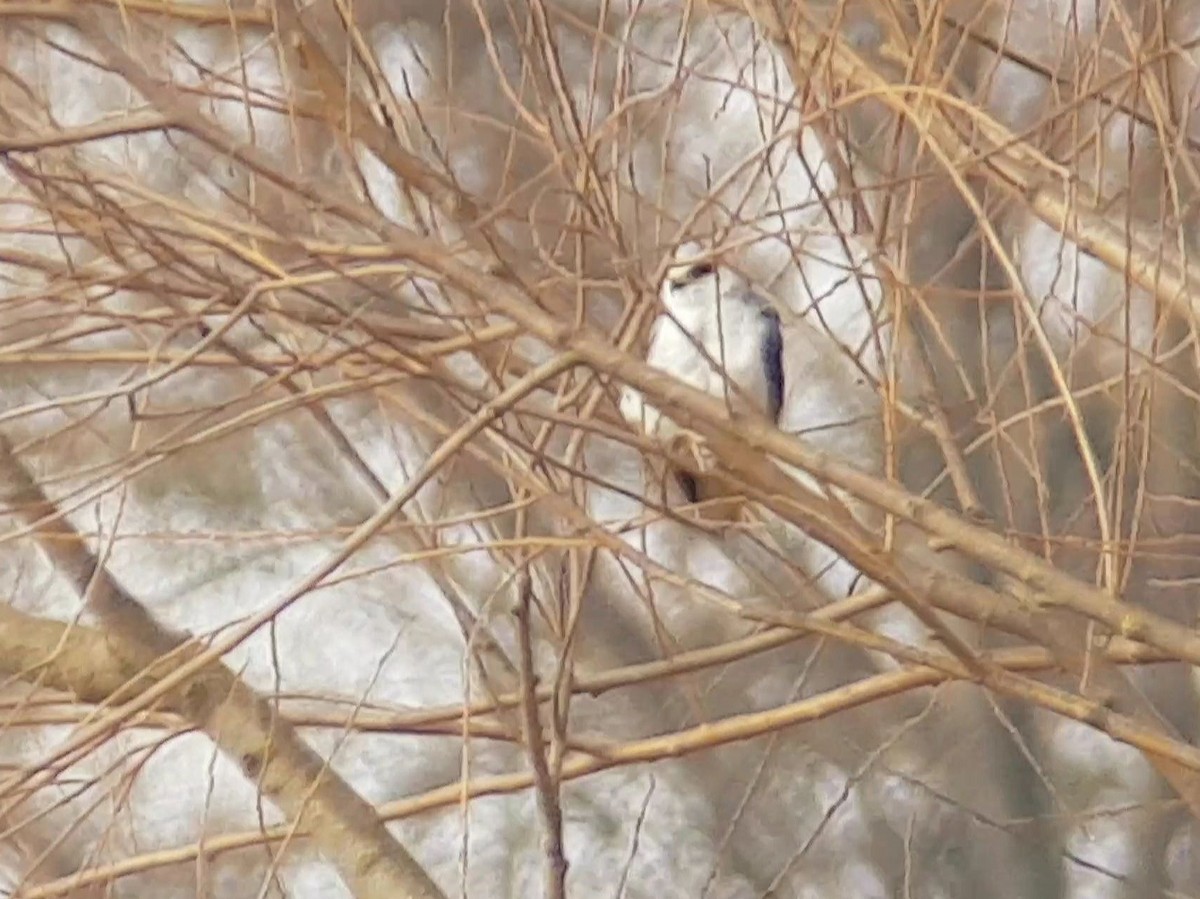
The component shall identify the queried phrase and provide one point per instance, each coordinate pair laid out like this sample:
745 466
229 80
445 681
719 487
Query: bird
716 334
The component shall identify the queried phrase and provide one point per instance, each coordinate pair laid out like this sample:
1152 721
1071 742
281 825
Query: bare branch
244 726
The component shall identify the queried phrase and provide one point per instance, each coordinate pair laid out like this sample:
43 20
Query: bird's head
692 268
697 281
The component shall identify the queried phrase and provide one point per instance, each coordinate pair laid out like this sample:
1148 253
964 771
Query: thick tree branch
741 727
244 726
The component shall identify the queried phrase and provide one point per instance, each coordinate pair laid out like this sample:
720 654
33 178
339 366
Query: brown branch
345 110
70 658
756 437
686 404
549 803
242 724
1129 249
743 443
134 123
77 659
674 745
197 13
1014 164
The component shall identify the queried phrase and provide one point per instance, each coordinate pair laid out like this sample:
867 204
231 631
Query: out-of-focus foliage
269 269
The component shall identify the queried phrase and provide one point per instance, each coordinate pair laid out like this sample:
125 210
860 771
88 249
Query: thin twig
244 725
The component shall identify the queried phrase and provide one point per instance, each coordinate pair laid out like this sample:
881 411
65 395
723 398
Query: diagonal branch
1014 164
243 725
704 737
744 442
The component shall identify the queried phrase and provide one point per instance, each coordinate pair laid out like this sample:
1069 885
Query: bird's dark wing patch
772 360
691 490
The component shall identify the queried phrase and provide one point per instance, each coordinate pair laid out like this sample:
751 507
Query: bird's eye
692 275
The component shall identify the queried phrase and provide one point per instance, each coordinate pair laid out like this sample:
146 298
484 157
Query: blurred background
330 569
